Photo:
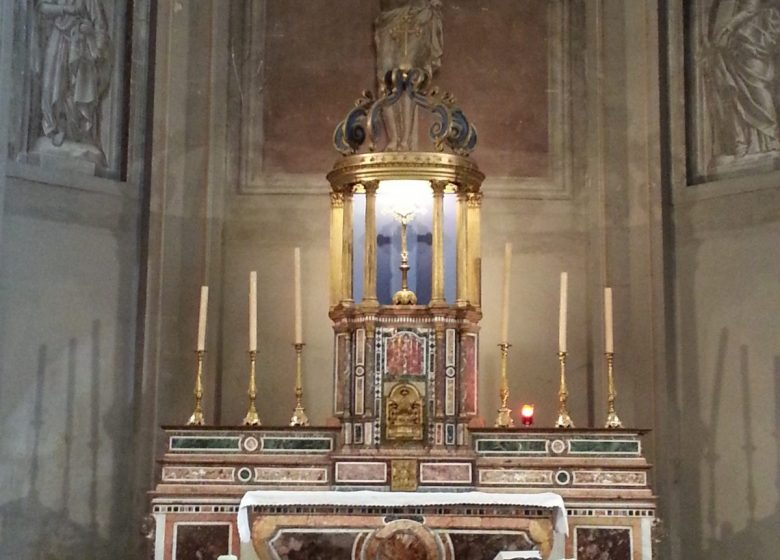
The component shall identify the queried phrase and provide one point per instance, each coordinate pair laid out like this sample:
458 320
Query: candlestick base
299 417
197 415
564 420
252 418
613 421
612 418
196 419
504 418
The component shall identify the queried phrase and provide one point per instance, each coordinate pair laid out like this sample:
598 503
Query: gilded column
336 243
369 264
462 297
474 202
437 272
346 249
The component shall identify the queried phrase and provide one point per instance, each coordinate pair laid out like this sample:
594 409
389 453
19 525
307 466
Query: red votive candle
527 414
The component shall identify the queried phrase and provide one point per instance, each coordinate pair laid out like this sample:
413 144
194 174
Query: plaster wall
68 286
728 302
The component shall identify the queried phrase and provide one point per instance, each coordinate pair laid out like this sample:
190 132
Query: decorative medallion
251 444
558 446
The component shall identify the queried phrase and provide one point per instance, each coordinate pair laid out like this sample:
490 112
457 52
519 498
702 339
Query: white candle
505 310
298 316
609 343
253 311
563 311
204 303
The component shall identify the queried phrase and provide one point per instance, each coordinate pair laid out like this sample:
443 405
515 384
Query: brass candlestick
504 418
197 415
564 420
612 418
299 417
252 418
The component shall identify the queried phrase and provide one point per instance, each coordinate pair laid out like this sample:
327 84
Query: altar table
408 525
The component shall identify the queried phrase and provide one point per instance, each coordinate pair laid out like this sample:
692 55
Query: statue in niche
72 62
408 34
404 413
743 39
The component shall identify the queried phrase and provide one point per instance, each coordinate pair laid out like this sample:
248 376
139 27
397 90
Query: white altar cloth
360 498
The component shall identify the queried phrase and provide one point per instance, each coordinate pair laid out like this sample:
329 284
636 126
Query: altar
370 524
405 469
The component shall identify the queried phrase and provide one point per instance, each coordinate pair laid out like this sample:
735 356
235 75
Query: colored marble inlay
198 474
205 444
610 478
201 541
361 472
449 473
299 444
604 446
595 543
487 544
512 446
306 544
520 477
291 475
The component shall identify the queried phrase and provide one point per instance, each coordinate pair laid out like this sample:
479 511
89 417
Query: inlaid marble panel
521 477
600 543
302 544
361 472
291 475
202 541
198 474
443 473
610 478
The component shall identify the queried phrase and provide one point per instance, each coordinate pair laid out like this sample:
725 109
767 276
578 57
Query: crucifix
403 30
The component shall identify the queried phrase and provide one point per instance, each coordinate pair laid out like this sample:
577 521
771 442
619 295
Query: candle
505 310
563 311
298 321
609 343
204 302
253 311
527 414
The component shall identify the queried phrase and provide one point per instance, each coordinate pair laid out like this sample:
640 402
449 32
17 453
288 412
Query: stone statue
408 34
743 48
73 69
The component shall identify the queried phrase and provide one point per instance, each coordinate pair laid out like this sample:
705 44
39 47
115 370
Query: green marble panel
203 444
604 447
512 446
299 445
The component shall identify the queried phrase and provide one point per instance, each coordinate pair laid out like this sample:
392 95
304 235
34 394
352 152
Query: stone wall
69 280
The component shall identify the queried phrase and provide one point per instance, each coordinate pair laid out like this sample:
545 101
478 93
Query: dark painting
603 543
202 542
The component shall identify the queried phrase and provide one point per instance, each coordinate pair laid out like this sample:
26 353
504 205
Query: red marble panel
318 60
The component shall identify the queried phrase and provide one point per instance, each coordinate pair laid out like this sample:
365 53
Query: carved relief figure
743 39
404 413
73 69
408 34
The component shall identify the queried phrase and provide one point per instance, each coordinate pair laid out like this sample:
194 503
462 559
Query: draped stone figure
744 45
408 34
73 69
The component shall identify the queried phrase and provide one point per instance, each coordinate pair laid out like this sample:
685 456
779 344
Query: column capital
438 186
337 199
370 186
474 199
